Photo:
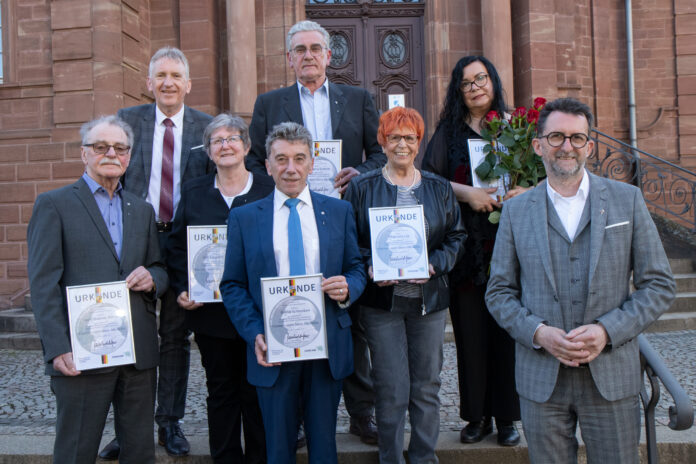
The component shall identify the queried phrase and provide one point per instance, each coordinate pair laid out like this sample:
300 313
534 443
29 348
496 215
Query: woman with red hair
405 320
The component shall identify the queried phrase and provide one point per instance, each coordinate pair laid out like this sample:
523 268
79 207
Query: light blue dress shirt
110 209
316 111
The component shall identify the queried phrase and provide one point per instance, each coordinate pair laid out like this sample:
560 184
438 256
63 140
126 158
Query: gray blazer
194 159
69 244
522 290
354 120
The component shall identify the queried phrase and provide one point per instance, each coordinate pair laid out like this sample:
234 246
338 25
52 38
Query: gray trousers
358 392
610 429
406 350
82 403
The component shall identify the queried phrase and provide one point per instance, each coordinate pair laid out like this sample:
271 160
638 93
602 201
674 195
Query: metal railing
668 188
681 414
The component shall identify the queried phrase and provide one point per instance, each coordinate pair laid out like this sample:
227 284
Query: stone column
241 54
496 30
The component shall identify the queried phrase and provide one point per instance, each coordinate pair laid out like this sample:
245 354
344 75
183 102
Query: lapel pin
601 212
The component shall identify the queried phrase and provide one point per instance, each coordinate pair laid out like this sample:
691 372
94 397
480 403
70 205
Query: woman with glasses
405 320
485 352
207 201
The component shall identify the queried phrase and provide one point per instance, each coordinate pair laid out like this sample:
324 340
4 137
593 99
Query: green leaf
483 171
494 217
507 140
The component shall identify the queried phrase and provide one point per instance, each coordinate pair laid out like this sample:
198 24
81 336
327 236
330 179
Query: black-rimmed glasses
480 80
557 139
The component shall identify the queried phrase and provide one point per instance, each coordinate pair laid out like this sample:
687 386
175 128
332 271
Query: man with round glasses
560 285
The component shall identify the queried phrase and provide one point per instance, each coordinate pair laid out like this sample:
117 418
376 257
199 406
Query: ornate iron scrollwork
340 50
393 49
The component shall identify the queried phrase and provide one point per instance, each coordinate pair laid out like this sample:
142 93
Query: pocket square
618 224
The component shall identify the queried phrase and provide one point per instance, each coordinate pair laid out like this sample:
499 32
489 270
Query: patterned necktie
295 244
166 203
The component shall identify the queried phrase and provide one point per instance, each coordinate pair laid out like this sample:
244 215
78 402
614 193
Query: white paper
399 246
206 262
101 328
476 157
294 319
327 163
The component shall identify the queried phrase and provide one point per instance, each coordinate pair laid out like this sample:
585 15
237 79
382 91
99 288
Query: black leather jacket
445 239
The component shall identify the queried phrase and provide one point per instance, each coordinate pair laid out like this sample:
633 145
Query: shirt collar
324 86
279 198
582 193
177 119
94 185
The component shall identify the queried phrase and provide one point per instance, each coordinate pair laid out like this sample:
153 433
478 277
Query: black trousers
231 402
485 360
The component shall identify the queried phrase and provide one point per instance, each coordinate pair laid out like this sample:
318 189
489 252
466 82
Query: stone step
671 322
17 320
685 282
20 341
682 265
684 303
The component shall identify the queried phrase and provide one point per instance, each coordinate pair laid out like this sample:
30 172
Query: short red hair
399 117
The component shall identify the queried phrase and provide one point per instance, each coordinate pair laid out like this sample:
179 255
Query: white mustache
107 161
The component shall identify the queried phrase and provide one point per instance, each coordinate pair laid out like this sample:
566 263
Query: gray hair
290 132
229 122
111 120
564 105
304 26
172 53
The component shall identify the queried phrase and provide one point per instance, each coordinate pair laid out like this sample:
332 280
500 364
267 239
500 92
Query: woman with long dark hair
485 352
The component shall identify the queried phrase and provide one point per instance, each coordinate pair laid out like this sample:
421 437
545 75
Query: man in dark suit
87 233
328 111
261 243
167 151
560 285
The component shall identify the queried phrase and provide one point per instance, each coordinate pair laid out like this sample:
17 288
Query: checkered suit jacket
194 160
522 289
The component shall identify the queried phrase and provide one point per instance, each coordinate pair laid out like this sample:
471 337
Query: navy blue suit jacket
250 257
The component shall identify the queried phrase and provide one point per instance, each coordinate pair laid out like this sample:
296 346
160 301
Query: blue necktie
295 245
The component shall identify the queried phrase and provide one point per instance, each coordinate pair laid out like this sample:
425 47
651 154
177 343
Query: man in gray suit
328 111
560 285
87 233
167 151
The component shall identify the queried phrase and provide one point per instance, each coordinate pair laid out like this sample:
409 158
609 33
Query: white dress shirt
153 191
316 111
310 235
569 209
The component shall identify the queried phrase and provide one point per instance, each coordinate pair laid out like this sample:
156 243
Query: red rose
519 111
533 116
492 115
539 103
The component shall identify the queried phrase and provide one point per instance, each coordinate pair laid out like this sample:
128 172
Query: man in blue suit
260 244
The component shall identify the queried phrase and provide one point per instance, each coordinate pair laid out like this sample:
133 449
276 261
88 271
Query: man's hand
593 337
260 350
343 177
65 364
140 280
381 283
555 341
336 288
184 302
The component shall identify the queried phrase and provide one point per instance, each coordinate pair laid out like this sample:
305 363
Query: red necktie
166 203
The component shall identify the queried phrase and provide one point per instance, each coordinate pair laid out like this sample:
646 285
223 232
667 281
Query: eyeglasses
410 139
102 148
219 142
315 50
557 139
480 80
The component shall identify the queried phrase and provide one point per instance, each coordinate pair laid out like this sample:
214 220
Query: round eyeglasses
557 139
480 80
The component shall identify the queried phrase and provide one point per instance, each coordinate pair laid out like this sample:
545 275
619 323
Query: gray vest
571 265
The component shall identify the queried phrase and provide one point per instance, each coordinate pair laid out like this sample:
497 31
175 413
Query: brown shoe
364 427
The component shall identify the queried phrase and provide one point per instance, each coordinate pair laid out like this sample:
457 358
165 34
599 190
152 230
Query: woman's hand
184 302
478 199
515 191
381 283
431 271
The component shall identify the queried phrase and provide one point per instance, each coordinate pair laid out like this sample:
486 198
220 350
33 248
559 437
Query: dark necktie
166 203
295 244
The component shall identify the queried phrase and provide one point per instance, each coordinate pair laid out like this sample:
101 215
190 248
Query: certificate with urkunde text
327 163
399 246
476 156
206 262
101 327
293 318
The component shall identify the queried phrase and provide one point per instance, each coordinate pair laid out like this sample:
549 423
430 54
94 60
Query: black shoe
475 431
111 451
365 427
173 440
508 435
301 439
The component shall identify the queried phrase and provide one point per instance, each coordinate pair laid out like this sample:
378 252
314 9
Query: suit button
555 298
